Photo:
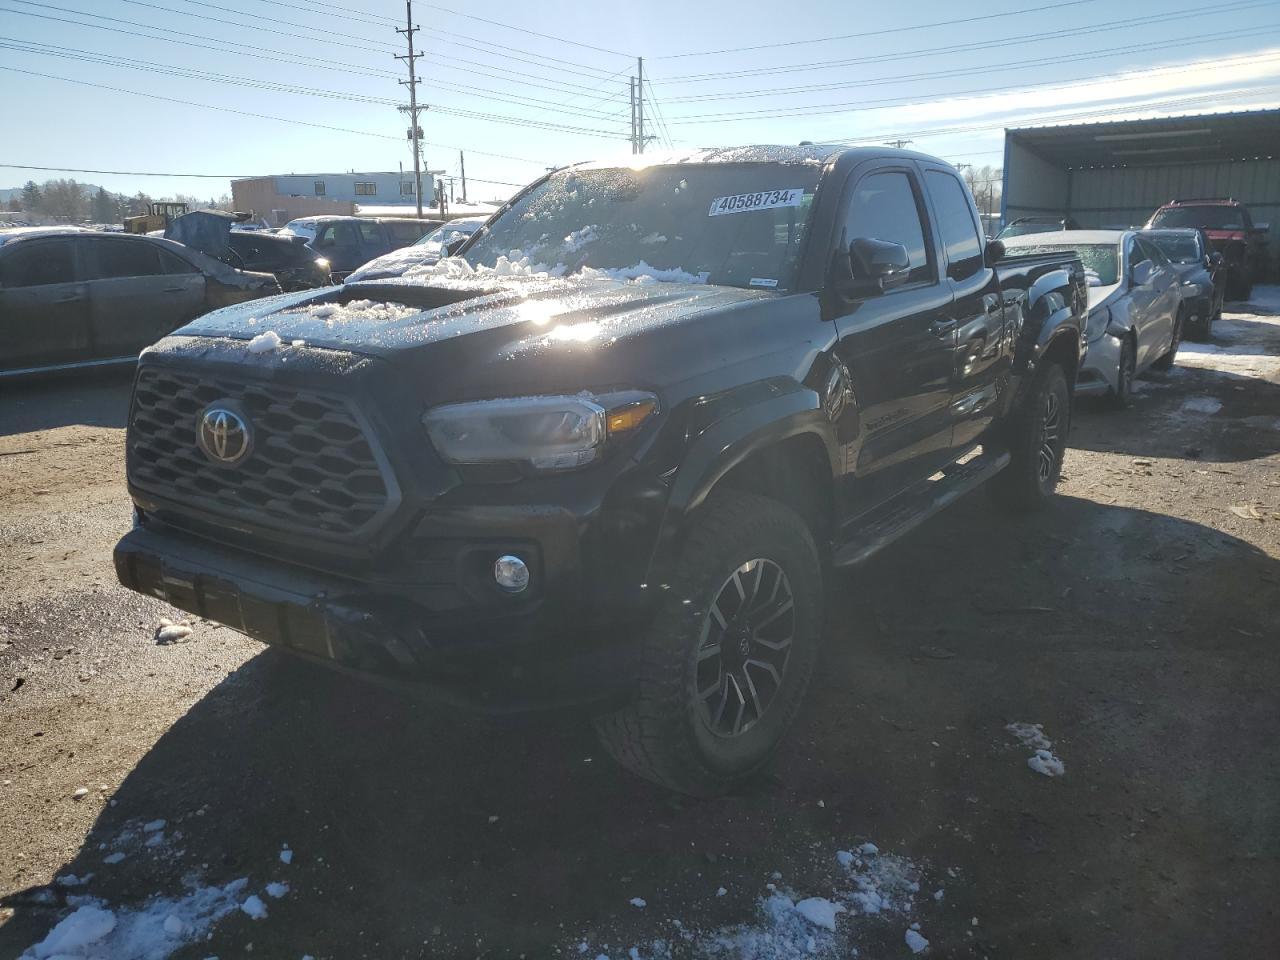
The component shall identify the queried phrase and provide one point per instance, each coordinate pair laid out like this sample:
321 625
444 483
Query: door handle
173 289
70 298
940 328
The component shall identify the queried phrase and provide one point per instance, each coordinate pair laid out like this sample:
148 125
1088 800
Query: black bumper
493 661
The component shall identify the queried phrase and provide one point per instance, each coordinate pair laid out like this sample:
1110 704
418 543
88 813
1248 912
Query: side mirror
993 253
877 265
1215 259
1142 273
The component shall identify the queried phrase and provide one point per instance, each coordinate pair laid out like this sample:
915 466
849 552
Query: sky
304 86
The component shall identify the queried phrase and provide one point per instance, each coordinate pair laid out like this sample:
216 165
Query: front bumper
492 658
1100 369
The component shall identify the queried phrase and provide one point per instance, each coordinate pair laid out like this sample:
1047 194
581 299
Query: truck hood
495 336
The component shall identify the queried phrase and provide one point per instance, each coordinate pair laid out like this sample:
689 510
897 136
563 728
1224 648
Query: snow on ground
152 931
1205 405
1244 343
861 888
1042 759
158 926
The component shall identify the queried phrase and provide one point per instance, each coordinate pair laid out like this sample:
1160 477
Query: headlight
1098 321
548 433
322 263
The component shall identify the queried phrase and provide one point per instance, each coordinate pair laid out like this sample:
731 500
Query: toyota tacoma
609 454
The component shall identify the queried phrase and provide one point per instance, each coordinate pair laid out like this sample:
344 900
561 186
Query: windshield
449 232
739 225
1211 217
1101 260
1179 249
1034 226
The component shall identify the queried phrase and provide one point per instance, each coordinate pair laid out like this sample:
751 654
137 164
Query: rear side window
173 263
37 264
110 260
405 232
885 206
370 233
956 226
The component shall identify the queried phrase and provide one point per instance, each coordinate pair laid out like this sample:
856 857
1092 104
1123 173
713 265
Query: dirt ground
1137 621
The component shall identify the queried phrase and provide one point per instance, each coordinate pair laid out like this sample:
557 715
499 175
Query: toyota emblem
223 434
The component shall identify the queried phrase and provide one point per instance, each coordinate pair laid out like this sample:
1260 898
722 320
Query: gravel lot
1137 621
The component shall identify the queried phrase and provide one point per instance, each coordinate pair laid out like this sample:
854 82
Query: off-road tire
661 735
1166 361
1024 485
1121 396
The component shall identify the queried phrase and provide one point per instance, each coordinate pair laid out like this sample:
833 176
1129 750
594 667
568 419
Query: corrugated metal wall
1129 195
1032 186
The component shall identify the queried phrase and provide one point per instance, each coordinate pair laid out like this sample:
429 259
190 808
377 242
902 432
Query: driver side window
886 206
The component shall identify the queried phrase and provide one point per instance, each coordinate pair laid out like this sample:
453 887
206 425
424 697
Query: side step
914 506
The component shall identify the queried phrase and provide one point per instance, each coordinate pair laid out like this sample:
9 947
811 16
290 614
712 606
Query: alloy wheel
744 648
1050 426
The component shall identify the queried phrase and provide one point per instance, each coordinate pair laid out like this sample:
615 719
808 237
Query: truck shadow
93 400
415 832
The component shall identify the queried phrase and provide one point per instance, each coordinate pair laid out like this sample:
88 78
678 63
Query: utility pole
634 140
415 131
640 104
462 167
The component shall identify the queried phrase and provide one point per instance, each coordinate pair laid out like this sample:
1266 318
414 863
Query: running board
914 506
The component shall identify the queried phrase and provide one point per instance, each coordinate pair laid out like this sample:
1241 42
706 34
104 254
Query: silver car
1136 313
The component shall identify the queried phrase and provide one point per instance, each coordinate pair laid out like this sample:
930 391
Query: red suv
1231 232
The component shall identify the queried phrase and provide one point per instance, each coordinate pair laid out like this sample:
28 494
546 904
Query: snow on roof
21 233
453 210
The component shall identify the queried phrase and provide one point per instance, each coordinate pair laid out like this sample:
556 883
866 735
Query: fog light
511 573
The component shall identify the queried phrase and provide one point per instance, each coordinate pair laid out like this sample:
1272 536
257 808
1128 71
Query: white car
1136 314
428 250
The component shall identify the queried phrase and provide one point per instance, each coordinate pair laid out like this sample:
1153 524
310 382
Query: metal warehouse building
1117 173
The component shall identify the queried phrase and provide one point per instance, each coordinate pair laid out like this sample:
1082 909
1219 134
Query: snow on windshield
734 224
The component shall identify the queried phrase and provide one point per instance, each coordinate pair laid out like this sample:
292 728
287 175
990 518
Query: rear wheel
725 663
1038 442
1166 360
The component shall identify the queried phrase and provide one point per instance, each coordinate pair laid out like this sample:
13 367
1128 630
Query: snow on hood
453 298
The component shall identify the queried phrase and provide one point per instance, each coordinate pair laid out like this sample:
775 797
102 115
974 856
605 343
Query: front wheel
1122 393
725 664
1166 360
1038 442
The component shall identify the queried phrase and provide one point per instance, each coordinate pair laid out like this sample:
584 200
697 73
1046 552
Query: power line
879 33
952 48
191 103
90 56
296 58
970 71
451 111
345 39
535 33
1042 120
979 92
381 48
657 112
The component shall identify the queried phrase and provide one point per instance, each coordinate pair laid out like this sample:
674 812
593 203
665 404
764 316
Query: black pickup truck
610 453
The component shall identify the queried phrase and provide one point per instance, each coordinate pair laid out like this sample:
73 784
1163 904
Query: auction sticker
761 200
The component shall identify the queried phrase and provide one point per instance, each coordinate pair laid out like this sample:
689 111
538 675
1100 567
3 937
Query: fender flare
723 445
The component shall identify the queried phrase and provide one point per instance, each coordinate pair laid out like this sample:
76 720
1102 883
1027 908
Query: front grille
312 466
